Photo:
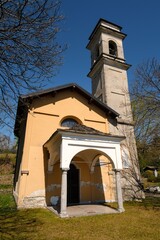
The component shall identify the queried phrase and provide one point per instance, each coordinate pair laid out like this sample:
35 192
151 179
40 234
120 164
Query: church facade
73 145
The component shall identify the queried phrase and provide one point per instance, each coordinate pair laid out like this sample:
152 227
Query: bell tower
109 68
110 85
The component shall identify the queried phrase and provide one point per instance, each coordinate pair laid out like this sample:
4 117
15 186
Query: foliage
7 163
7 157
146 100
149 153
151 177
149 184
145 96
29 51
4 142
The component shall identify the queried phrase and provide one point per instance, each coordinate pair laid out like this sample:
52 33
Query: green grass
6 186
140 221
136 223
7 202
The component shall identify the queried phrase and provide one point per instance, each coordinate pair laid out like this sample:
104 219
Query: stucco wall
97 185
53 183
44 117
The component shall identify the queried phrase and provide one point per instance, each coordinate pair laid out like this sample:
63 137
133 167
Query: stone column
63 207
119 190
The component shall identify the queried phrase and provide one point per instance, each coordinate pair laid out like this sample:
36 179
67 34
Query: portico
85 143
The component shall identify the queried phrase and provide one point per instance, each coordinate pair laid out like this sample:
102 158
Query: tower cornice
110 61
106 27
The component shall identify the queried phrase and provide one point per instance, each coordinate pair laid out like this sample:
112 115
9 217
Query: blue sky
140 20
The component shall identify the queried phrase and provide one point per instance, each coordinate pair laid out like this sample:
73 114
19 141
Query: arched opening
73 185
69 122
112 48
103 178
96 181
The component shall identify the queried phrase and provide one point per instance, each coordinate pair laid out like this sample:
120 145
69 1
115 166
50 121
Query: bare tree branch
145 96
29 51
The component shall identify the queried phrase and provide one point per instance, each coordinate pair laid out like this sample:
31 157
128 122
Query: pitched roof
74 87
83 130
24 100
79 128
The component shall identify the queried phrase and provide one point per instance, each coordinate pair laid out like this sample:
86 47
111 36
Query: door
73 185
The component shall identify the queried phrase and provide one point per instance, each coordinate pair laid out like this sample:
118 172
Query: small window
112 48
68 122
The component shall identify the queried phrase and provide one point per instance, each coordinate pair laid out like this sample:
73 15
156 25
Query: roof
25 100
150 168
79 128
73 87
83 129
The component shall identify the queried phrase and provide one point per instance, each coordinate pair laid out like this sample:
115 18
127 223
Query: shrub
150 176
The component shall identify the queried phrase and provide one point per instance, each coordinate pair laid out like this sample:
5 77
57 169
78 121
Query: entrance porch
85 210
82 169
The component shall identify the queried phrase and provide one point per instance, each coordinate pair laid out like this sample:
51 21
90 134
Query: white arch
72 145
98 156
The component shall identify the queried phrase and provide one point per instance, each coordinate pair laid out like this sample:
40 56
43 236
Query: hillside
7 165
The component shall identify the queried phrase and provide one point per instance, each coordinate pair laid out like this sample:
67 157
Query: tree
4 143
146 110
29 52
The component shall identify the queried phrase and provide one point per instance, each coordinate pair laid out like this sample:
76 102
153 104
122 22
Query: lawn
136 222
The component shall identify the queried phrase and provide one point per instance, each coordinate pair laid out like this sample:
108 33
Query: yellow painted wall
98 185
44 117
53 183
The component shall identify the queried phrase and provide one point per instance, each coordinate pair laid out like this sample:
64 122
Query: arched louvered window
112 48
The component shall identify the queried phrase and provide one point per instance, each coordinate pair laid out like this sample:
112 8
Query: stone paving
86 210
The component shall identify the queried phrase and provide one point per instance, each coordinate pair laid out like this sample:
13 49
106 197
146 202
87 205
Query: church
76 147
